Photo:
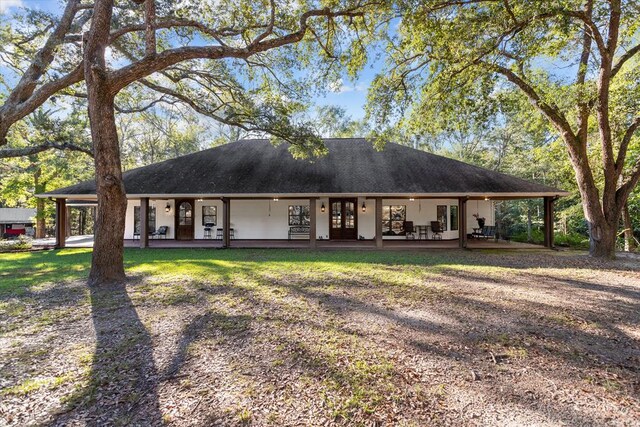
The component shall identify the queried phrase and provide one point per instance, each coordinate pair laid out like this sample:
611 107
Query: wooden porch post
462 222
144 222
548 221
378 222
312 220
226 222
61 223
67 219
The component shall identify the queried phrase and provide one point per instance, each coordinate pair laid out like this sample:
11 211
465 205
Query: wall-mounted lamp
322 207
364 207
167 208
275 199
486 198
411 199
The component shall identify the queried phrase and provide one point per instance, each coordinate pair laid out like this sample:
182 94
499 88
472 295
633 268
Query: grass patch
33 384
232 265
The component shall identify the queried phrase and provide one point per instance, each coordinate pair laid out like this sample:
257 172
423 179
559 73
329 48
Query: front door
343 219
184 219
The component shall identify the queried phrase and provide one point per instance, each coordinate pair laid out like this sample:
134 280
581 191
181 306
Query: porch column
67 218
226 222
548 221
312 220
378 222
61 223
462 222
144 222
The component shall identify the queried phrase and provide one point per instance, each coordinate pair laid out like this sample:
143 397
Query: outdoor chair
160 232
488 232
207 229
409 230
436 230
220 233
136 233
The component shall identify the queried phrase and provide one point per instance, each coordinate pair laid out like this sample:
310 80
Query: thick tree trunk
602 215
40 219
41 224
602 240
629 241
107 264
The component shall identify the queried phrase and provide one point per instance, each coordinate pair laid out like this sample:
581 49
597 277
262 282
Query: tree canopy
451 63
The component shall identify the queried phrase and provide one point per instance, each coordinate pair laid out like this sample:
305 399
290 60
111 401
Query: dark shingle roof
353 166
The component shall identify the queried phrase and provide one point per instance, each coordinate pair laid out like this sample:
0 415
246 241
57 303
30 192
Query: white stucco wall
422 212
162 217
262 219
198 225
268 219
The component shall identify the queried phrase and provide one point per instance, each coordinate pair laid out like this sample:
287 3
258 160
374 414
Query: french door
343 219
184 219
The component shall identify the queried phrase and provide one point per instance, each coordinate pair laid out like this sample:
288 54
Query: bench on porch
299 230
487 232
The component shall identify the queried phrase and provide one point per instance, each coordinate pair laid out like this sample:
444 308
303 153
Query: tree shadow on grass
575 348
207 324
122 385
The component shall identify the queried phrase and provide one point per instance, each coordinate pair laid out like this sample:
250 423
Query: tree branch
269 30
143 108
147 66
20 152
624 58
43 58
583 106
550 111
624 144
622 193
8 116
150 27
188 101
181 23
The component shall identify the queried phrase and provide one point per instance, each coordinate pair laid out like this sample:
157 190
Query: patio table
423 230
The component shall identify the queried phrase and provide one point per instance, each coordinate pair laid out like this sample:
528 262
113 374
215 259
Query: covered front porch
86 241
358 222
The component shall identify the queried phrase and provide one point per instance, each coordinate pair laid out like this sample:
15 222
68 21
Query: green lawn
72 264
290 337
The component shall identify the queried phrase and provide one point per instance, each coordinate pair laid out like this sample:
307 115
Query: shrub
22 243
537 236
570 240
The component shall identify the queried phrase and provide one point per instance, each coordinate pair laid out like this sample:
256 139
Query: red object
15 231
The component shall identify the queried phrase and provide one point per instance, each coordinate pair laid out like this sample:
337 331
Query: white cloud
6 4
339 86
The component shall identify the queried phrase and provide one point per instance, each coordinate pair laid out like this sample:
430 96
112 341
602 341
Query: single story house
16 221
253 190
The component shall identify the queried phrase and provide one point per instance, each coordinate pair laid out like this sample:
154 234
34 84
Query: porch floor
87 242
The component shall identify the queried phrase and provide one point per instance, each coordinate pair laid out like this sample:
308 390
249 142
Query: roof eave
489 195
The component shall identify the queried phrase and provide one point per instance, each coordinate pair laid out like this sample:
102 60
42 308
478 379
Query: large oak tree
175 51
575 60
